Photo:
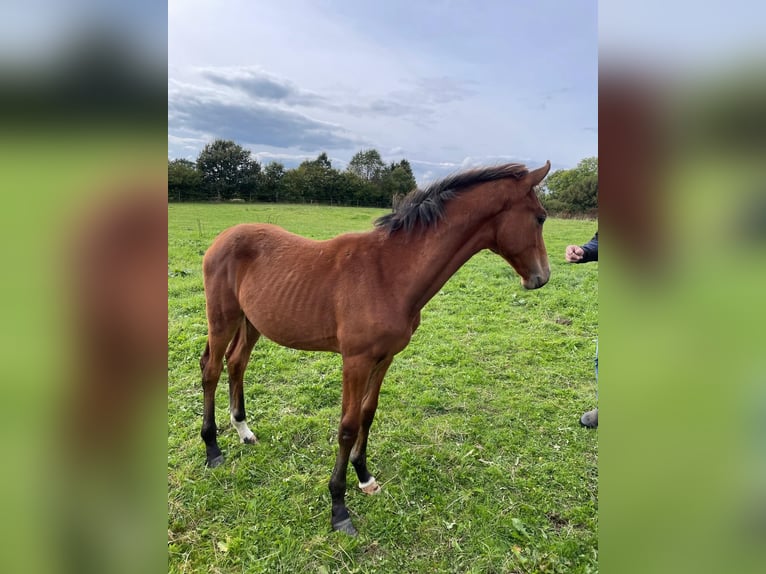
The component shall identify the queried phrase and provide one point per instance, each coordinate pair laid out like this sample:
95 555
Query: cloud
278 119
260 85
444 89
207 110
391 109
180 146
418 102
257 124
282 121
415 102
250 105
540 99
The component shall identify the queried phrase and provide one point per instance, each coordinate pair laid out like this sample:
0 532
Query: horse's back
246 244
245 239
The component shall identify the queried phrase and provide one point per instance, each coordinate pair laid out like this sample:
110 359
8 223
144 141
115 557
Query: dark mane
426 206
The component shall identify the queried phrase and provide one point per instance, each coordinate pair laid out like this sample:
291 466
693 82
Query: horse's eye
541 219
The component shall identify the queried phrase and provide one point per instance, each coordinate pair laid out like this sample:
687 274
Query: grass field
476 440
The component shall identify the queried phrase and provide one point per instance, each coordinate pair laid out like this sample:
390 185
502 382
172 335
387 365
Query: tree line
572 192
225 171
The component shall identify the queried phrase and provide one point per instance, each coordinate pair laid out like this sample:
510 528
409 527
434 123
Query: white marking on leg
370 487
243 430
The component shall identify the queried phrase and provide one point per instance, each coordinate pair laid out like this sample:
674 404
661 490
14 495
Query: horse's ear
535 176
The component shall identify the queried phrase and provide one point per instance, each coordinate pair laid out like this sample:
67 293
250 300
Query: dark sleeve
591 250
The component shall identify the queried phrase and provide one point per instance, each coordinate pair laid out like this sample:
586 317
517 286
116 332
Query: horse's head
519 230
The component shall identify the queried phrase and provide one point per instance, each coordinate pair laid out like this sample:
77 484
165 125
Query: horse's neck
424 260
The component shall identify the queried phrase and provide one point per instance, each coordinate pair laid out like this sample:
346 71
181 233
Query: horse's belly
303 343
289 308
295 330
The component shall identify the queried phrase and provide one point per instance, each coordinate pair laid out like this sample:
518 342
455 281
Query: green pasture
476 441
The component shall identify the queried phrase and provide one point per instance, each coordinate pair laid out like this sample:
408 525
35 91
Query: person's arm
583 254
590 250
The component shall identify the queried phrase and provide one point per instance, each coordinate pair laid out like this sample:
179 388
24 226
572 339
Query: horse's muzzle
535 281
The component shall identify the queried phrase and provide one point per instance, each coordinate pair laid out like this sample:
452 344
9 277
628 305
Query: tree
225 167
224 171
563 178
367 164
352 189
292 187
318 180
184 181
397 180
323 162
405 165
572 191
271 183
581 196
251 180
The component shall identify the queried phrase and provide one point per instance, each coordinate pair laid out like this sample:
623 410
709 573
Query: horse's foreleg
237 358
367 482
356 374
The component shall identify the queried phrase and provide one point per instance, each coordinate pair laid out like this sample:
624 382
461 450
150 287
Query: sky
679 34
444 84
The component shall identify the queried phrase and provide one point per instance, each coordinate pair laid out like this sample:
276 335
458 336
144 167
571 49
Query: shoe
590 419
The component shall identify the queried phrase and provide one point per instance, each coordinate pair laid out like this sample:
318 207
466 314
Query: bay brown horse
359 294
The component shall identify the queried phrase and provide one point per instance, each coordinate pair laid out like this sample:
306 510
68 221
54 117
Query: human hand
574 253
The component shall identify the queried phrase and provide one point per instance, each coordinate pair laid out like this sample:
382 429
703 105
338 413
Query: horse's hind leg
367 482
237 358
221 328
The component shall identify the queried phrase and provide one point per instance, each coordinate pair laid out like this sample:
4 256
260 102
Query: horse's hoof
249 440
346 527
370 487
217 461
